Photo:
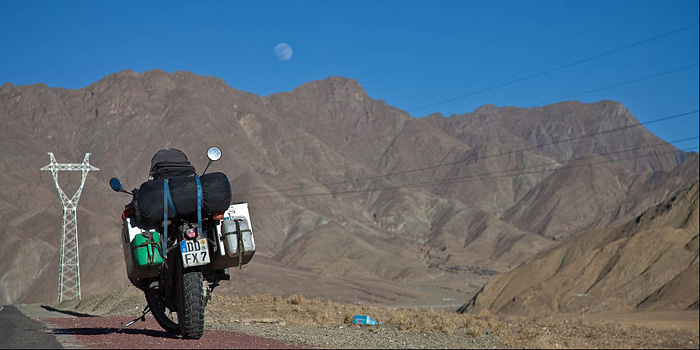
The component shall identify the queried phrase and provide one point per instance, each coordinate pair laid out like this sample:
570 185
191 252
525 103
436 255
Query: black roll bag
216 193
216 197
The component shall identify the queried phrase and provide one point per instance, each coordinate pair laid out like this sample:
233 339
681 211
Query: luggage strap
235 233
241 248
150 252
151 241
239 240
199 203
168 203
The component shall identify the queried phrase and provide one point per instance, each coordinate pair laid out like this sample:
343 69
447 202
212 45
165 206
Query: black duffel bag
216 193
216 197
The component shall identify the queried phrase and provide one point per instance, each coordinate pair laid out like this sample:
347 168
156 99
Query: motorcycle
178 255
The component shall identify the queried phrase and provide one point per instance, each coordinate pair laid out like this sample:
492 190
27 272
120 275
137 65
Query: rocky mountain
649 263
351 198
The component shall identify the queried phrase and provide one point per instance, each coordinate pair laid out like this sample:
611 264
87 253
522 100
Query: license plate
194 253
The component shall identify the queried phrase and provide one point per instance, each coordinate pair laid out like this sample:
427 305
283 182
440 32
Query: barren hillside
351 198
649 263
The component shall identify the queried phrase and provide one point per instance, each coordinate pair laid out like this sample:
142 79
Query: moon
283 51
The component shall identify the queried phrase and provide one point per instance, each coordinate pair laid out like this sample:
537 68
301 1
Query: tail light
128 212
218 216
191 233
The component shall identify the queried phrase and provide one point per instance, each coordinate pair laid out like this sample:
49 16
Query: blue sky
410 54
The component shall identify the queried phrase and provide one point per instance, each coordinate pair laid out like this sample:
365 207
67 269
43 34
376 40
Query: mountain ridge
323 160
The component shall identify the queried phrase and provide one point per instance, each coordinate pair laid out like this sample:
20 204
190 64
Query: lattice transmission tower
69 274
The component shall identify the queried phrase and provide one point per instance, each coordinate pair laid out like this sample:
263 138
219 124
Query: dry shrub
299 311
277 301
472 326
444 325
499 327
400 317
296 299
323 316
233 300
266 298
484 314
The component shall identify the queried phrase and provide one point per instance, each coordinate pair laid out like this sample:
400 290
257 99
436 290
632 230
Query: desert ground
317 323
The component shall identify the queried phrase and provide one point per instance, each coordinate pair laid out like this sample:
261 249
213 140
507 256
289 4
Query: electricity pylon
69 274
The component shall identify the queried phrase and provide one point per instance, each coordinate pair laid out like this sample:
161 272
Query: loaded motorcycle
180 235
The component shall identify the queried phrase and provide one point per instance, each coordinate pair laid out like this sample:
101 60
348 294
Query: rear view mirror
115 184
214 153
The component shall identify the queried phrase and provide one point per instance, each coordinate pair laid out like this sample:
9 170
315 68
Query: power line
617 85
463 180
480 159
327 130
606 53
460 179
543 73
512 82
504 173
331 129
479 177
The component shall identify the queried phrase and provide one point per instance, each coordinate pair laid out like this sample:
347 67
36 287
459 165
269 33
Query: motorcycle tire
188 321
191 307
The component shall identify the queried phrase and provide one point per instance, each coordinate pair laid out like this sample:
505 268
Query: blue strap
167 202
199 203
166 193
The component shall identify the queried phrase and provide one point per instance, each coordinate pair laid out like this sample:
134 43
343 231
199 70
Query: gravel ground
365 337
101 333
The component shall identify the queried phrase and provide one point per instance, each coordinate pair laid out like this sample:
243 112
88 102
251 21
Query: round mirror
115 184
214 153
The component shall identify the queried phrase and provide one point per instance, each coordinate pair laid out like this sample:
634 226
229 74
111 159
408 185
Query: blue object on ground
361 319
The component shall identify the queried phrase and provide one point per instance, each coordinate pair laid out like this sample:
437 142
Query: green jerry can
146 256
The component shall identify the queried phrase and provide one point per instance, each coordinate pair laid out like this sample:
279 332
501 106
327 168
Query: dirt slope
650 263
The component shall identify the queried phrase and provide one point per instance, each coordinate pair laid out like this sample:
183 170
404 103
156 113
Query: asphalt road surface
102 333
40 327
18 331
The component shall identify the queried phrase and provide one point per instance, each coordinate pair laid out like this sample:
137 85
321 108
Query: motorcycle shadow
112 330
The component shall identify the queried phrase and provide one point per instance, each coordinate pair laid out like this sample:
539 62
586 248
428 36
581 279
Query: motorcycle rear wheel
191 307
188 321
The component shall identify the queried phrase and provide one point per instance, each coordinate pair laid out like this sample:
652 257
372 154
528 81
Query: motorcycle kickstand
142 318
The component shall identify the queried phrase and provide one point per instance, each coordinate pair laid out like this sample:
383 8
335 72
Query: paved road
18 331
39 327
101 333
